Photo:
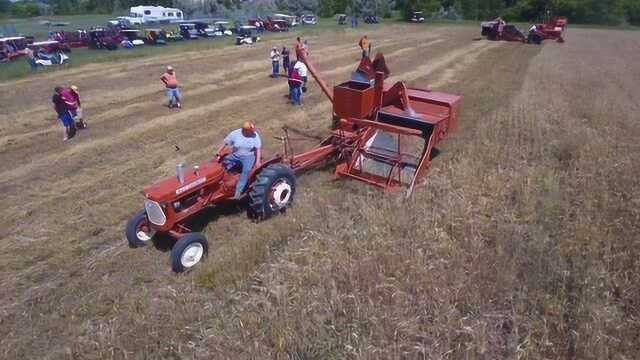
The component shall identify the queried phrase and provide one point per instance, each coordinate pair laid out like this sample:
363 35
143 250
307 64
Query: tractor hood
170 188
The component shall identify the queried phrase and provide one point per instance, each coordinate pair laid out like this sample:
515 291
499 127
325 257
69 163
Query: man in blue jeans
246 152
275 62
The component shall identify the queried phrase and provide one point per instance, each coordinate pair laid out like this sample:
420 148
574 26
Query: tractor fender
256 171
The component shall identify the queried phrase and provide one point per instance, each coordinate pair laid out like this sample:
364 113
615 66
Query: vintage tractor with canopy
416 17
12 47
244 35
73 39
104 38
383 135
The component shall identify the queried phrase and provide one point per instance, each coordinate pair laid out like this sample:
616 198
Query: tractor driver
246 152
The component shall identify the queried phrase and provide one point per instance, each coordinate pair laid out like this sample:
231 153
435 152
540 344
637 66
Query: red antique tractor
550 30
384 135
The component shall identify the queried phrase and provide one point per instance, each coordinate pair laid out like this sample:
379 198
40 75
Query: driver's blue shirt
243 145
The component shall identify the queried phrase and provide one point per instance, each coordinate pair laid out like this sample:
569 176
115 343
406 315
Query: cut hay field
523 243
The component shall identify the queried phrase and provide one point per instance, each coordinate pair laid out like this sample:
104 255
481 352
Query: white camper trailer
151 14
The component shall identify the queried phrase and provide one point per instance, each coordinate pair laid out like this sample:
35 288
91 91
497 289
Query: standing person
171 84
275 62
63 113
301 67
78 114
285 60
295 85
298 47
246 151
31 58
364 45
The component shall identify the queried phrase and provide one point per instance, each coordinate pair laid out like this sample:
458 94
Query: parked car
47 53
221 28
188 31
292 21
72 39
309 19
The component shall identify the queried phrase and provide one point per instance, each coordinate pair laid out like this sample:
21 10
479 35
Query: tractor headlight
154 212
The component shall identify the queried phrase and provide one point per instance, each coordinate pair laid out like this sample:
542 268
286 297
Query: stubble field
524 242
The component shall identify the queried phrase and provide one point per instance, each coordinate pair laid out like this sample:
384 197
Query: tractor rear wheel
138 230
272 191
188 252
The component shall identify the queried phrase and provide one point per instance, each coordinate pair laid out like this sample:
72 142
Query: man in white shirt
246 151
275 62
303 71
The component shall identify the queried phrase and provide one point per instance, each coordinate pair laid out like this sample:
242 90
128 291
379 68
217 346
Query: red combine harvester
499 30
384 135
551 30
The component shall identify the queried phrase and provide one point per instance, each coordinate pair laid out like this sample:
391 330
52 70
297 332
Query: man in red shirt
295 87
171 83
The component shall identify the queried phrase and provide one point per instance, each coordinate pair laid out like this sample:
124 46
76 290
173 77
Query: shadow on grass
164 242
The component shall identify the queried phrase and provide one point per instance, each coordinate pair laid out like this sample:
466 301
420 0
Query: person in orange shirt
171 83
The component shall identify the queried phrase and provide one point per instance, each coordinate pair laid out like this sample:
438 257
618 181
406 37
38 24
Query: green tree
326 8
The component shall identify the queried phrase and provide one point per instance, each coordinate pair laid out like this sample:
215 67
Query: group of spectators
296 71
66 102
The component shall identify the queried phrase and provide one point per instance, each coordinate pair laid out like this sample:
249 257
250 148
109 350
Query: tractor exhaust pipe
180 172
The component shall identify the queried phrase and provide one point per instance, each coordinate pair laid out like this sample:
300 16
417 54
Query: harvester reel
272 191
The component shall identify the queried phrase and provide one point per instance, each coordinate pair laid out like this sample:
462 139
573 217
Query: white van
151 14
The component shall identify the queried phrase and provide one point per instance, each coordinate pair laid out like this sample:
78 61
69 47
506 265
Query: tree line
609 12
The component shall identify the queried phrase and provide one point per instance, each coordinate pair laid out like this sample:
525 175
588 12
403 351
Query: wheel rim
280 195
192 255
143 232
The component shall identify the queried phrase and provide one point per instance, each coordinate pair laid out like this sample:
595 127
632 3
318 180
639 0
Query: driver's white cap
169 68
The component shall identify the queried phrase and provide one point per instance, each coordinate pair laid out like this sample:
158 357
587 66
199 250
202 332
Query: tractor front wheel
138 230
188 252
272 191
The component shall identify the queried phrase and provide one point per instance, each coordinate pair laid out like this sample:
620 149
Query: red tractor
384 135
551 30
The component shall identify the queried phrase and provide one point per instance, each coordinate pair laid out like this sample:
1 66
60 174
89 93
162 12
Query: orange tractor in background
384 135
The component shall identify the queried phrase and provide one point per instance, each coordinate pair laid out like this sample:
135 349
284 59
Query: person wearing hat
171 83
77 113
275 62
62 110
246 151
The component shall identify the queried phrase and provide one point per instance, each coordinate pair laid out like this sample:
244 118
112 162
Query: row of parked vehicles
121 34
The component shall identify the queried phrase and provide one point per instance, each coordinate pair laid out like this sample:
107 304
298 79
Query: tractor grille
154 212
